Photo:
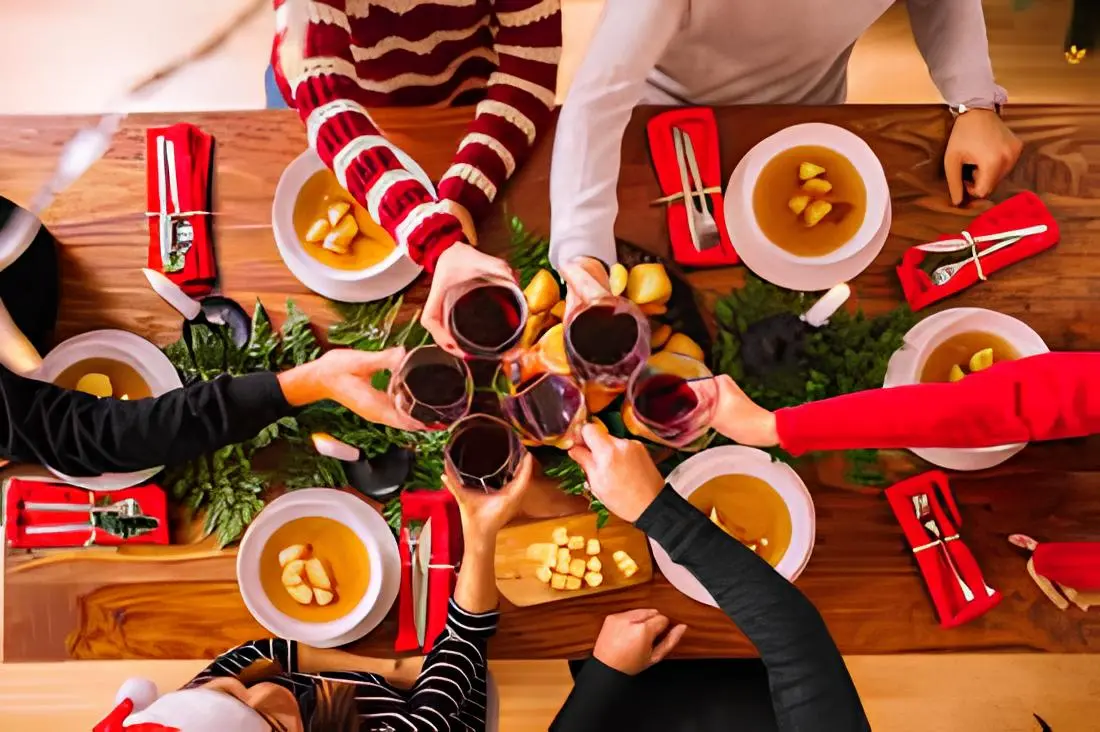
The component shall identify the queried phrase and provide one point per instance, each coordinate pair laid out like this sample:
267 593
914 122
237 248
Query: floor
86 61
80 64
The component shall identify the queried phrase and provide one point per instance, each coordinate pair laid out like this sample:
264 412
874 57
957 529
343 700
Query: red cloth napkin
194 164
17 519
1070 564
947 597
1022 210
700 125
440 507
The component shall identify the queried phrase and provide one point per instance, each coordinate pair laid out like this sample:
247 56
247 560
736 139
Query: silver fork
126 508
940 275
705 227
924 514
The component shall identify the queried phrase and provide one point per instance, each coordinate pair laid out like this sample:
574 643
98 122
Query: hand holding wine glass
586 281
741 419
460 263
620 473
484 513
344 375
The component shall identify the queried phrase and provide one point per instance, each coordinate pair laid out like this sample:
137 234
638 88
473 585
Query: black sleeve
599 695
81 435
810 685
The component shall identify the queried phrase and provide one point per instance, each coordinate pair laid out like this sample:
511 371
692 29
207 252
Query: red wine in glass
487 318
432 386
607 342
674 397
545 408
483 452
666 403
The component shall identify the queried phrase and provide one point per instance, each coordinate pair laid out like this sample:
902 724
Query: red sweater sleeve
341 131
1046 397
517 107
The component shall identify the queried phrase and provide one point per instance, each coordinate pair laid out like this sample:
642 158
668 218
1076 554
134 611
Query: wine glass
546 408
486 317
432 386
674 397
606 341
483 452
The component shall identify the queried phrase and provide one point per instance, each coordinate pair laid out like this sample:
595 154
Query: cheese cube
562 566
557 581
575 542
619 556
560 536
594 564
629 569
572 583
593 579
544 574
576 567
563 554
593 547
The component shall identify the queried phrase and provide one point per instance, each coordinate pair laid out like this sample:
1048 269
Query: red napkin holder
701 126
17 519
951 607
1021 211
194 167
440 507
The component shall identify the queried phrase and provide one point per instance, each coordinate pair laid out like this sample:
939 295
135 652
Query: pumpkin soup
104 377
334 229
749 510
305 555
963 354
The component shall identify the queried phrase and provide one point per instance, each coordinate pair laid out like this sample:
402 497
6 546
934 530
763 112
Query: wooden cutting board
515 573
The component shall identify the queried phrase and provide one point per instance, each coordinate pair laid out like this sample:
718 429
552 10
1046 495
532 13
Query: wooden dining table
182 601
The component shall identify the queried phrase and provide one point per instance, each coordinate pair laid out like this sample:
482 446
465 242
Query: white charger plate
118 345
381 548
906 362
735 459
387 278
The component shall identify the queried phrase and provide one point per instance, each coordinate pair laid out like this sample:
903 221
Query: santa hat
139 709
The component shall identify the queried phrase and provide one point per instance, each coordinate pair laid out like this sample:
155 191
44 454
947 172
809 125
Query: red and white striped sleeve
517 107
324 90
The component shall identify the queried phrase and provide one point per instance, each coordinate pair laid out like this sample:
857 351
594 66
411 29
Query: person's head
217 705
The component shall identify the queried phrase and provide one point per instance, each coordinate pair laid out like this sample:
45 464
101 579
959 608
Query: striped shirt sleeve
517 108
325 90
232 663
454 673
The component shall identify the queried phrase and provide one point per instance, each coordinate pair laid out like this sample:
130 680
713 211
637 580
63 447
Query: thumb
953 167
667 644
583 457
390 358
985 177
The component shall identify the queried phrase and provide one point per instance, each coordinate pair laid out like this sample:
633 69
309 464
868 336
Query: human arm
316 71
275 656
81 435
517 107
629 40
811 688
951 36
1046 397
456 665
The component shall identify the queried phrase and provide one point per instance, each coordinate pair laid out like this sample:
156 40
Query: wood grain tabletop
185 604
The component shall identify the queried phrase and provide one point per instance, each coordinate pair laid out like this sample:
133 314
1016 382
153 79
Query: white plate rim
749 461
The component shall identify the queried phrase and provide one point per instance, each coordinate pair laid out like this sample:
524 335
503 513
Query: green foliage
529 253
572 480
370 326
848 354
297 343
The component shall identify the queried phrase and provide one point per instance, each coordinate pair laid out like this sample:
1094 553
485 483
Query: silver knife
420 582
681 163
165 222
173 294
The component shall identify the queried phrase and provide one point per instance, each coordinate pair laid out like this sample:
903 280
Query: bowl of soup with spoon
760 502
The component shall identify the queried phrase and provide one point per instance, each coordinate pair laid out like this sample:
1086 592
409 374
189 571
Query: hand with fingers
344 376
629 642
586 280
740 418
982 139
620 473
459 263
486 513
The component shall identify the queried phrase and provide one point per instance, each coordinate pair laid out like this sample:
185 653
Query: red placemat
701 126
947 597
